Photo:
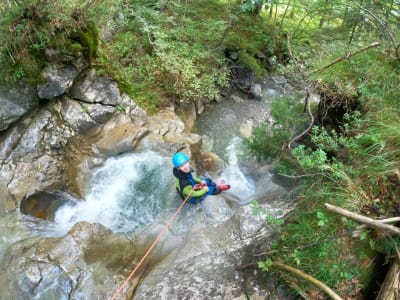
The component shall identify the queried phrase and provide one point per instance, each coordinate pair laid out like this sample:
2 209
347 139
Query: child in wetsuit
186 182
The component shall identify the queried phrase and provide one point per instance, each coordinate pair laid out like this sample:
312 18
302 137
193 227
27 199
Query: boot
224 187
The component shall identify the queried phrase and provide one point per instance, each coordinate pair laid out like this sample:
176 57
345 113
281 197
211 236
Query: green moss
76 48
88 38
252 63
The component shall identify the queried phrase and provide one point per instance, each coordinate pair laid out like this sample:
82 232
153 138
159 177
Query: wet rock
44 204
209 161
59 79
119 138
82 117
245 78
15 102
205 264
56 268
246 129
94 89
279 80
5 198
216 208
256 91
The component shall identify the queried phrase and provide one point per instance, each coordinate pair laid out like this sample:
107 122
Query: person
186 182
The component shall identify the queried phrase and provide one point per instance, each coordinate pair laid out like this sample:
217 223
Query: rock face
15 102
206 265
57 268
56 146
59 79
75 135
93 89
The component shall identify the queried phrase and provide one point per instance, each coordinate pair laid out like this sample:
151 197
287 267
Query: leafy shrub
28 29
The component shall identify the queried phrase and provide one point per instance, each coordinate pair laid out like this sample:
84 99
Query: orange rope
151 247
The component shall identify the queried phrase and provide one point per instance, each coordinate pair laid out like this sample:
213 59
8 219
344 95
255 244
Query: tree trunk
390 287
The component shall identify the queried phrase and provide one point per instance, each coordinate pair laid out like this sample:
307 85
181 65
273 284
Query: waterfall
125 194
242 186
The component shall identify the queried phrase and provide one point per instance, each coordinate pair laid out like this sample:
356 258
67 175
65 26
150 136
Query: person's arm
197 179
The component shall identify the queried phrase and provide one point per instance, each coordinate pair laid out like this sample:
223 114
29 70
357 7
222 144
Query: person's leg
214 188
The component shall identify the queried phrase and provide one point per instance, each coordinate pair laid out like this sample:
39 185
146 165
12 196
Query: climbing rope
151 247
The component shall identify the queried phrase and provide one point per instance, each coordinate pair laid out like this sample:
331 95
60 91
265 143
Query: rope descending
160 235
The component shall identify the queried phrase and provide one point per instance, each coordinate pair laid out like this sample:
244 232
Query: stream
130 192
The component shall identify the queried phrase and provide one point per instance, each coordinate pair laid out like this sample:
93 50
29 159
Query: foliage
274 218
158 51
31 27
250 36
161 50
171 53
354 164
267 141
250 62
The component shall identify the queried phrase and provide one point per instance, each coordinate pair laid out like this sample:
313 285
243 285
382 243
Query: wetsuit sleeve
196 179
195 194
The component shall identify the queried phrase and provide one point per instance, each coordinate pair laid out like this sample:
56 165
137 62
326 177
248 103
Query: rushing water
130 191
125 194
135 190
220 129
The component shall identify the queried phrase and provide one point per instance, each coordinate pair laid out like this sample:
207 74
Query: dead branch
300 176
385 221
300 274
347 56
294 59
308 278
308 108
362 219
308 94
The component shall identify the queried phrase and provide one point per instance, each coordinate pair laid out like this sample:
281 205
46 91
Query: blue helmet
179 159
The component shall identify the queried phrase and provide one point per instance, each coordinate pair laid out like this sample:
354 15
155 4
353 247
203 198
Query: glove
198 186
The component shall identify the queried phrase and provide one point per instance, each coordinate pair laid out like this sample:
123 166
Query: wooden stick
362 219
347 56
311 123
300 274
309 278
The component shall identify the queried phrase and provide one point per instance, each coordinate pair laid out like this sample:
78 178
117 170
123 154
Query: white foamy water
125 194
242 187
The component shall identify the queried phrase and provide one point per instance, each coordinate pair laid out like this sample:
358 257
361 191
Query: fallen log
390 286
362 219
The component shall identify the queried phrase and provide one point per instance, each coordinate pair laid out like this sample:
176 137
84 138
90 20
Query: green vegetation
158 51
163 51
350 157
29 28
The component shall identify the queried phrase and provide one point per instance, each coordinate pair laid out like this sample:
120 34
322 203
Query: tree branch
347 56
300 274
308 93
308 108
362 219
309 278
